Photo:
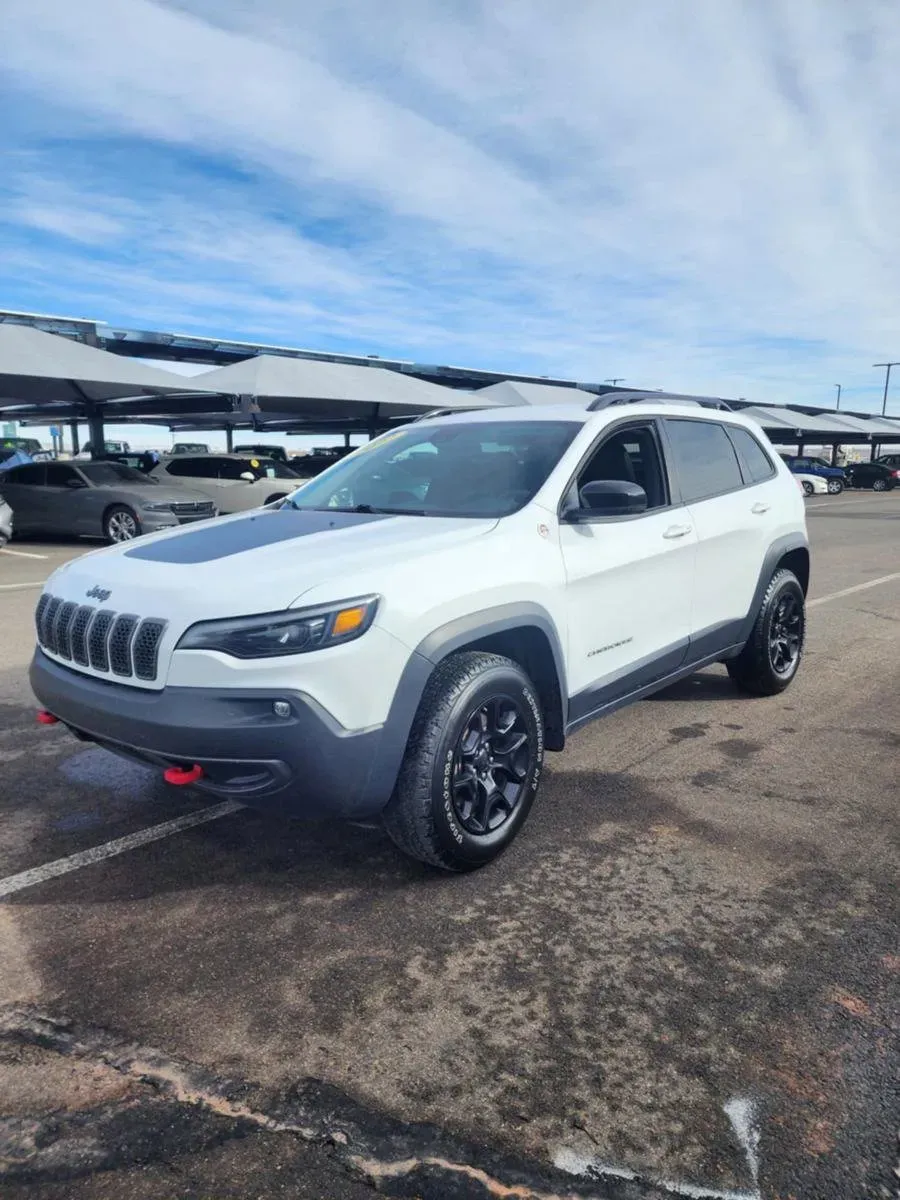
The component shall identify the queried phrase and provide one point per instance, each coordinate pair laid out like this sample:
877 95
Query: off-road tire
420 816
753 670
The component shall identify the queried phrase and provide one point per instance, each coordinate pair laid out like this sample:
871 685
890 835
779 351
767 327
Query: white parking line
15 587
857 587
84 858
22 553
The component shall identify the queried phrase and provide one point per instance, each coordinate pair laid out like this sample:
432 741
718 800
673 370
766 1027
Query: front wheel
272 499
771 657
121 524
472 765
835 487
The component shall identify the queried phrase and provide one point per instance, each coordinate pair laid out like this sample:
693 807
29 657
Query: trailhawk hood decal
252 532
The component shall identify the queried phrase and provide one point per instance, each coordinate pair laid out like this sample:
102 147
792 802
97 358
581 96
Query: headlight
157 507
271 635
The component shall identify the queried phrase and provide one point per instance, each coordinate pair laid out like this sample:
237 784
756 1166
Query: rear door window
31 474
705 459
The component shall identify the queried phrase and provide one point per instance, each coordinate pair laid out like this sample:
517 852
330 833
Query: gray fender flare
433 649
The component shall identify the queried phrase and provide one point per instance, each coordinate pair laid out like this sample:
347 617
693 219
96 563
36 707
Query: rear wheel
121 524
771 657
472 765
835 486
808 487
879 485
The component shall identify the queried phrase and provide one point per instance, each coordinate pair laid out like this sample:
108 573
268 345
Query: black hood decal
256 529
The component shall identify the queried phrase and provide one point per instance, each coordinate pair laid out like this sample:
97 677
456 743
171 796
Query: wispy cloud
700 197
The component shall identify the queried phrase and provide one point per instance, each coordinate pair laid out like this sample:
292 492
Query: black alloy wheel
472 765
771 656
491 765
786 634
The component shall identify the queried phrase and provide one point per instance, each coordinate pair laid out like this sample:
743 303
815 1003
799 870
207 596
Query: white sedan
811 484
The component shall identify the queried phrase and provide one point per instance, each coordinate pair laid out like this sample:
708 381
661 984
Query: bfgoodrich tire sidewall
456 840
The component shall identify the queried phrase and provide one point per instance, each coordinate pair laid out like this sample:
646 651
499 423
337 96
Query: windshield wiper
366 508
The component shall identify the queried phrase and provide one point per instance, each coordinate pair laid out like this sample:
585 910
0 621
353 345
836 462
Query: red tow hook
179 776
46 718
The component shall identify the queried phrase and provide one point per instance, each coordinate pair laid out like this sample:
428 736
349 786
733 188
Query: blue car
801 464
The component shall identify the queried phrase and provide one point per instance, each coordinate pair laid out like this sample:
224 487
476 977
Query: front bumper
156 522
305 764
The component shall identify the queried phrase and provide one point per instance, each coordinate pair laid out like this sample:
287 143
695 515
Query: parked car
310 465
889 460
97 499
277 452
408 634
235 482
833 476
811 483
29 445
6 522
874 475
144 460
108 448
190 448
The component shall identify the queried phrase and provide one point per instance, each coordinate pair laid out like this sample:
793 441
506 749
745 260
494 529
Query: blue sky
701 197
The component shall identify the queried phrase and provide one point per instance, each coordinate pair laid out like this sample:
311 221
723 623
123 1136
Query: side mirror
609 498
75 483
248 477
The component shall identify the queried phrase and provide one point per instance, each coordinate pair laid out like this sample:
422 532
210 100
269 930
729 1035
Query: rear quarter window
755 462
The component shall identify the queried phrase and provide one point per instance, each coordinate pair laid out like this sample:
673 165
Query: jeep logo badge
98 593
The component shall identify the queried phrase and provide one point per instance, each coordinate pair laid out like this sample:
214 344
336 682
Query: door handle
759 508
677 531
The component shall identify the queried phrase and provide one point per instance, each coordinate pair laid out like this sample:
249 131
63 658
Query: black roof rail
609 399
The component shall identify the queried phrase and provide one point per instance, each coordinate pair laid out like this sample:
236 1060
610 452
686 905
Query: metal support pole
838 386
229 438
347 441
73 426
96 431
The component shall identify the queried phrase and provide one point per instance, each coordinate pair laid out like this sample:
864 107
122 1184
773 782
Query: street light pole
618 379
887 382
838 386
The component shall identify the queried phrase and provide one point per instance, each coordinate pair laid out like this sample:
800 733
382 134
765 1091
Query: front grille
188 507
120 644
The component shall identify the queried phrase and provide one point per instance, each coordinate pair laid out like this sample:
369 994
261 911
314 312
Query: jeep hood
262 561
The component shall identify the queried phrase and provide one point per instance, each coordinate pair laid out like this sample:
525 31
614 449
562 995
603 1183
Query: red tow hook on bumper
46 718
179 776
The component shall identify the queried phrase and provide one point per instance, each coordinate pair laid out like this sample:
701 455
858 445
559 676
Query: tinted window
59 475
197 468
757 463
465 469
705 458
111 474
27 474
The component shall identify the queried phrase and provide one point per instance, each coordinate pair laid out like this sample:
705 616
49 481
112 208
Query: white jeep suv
409 632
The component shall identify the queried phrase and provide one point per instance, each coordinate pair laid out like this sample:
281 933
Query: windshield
480 469
106 474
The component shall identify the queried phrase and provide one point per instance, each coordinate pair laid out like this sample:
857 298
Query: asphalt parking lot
682 980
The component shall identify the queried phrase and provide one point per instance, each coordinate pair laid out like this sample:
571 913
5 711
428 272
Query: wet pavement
685 970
